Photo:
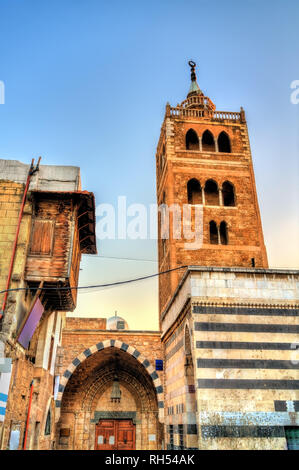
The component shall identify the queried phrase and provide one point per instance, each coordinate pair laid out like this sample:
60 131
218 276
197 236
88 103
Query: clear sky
86 83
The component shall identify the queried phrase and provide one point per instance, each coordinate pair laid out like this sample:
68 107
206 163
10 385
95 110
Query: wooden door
125 435
115 435
105 435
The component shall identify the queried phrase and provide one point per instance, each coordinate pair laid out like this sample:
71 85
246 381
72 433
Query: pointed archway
84 399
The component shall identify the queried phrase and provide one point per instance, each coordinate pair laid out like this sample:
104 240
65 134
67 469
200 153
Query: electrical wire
98 286
118 258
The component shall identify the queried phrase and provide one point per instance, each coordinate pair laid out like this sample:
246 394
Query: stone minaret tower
203 158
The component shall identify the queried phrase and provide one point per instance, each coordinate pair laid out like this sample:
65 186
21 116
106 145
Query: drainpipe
31 172
28 416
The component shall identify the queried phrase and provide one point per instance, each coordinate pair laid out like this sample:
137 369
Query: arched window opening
192 142
223 233
228 194
213 233
211 193
194 192
48 424
224 143
208 143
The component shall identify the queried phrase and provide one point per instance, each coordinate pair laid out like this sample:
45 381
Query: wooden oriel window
42 237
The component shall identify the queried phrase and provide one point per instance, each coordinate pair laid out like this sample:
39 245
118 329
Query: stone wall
87 361
244 333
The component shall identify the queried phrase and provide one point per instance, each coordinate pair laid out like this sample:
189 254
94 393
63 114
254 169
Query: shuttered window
42 237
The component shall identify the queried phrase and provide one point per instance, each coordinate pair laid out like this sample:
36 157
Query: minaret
203 159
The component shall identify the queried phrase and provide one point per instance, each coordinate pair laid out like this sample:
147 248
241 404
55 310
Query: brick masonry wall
82 333
10 202
23 369
245 236
23 372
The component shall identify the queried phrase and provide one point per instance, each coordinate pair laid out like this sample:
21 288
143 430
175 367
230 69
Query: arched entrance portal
110 403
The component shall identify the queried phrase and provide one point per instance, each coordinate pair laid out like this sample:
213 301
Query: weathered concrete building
229 324
46 223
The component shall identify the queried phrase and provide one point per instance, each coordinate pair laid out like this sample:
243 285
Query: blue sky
86 83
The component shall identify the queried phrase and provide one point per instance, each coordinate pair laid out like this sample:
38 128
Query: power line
98 286
119 258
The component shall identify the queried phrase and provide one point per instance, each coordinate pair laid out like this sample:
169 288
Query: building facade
46 223
229 324
221 372
111 386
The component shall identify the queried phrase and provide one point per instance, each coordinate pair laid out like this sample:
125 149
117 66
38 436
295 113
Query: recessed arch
194 191
224 142
208 142
77 361
228 194
211 193
213 231
192 142
223 233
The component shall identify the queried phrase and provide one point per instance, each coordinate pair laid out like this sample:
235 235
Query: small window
208 143
224 143
171 436
228 194
42 237
48 424
211 193
213 233
181 436
223 233
194 192
120 325
192 142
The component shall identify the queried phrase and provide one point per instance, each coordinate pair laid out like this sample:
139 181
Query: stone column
220 197
203 196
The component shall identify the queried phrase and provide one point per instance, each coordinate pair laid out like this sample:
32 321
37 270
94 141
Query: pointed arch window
208 142
192 142
223 233
194 192
228 194
224 143
48 423
213 233
211 193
